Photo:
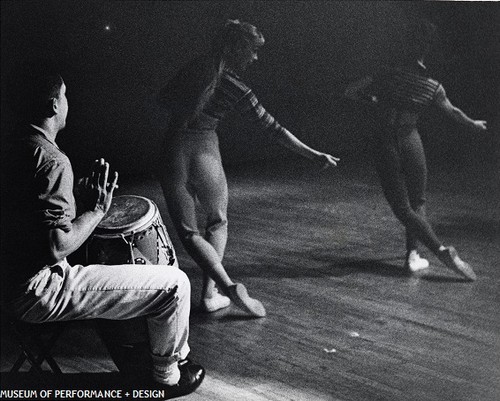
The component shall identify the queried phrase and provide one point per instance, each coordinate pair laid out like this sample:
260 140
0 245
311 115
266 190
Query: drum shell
149 244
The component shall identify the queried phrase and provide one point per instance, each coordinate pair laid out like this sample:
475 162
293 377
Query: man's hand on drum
96 191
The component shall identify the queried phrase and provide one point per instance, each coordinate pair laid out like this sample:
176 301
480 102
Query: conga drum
131 232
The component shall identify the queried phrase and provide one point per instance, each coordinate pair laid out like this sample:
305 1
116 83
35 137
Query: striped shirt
406 90
233 94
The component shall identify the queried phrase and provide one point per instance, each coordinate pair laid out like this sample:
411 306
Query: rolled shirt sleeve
231 93
440 95
250 107
56 202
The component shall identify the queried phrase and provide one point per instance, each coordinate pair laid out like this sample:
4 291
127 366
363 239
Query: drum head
127 214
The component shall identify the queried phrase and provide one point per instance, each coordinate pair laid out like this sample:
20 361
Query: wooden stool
36 341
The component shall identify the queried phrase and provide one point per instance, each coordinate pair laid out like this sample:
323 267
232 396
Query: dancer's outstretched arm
254 111
290 141
456 114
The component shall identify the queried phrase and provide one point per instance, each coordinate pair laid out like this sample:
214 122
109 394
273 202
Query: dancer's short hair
236 34
420 36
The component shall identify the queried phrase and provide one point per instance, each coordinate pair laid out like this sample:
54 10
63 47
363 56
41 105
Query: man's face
62 106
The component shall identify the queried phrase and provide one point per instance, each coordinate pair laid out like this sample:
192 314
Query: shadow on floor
343 267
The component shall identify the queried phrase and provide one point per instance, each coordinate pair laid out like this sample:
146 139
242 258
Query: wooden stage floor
345 322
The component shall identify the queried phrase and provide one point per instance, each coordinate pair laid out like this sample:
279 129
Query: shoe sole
198 383
176 392
243 301
170 394
460 266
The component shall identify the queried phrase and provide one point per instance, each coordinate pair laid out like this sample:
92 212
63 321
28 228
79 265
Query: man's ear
52 107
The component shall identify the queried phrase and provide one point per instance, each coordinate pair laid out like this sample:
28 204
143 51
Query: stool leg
26 355
44 351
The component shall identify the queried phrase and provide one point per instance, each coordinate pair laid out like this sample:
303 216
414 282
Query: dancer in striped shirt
401 94
198 98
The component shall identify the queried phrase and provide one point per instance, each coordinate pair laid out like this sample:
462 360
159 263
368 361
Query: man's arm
99 194
63 244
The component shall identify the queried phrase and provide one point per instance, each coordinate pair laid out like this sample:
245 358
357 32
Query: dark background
313 49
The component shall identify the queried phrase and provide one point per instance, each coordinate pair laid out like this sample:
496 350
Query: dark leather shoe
192 375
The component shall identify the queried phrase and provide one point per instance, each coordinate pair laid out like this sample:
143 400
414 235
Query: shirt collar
45 134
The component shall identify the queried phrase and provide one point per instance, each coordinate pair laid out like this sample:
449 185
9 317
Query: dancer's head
237 44
420 37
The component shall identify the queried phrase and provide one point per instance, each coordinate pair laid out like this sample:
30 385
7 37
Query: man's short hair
32 89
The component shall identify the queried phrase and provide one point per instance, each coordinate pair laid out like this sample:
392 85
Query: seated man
42 228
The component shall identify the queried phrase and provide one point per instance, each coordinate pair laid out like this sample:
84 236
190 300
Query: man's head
39 94
237 42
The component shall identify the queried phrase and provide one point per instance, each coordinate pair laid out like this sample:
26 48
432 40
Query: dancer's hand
480 125
325 160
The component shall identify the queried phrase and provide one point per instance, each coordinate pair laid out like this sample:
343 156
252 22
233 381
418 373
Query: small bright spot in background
107 27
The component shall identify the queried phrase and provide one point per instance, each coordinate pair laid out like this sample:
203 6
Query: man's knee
176 286
178 282
183 283
184 287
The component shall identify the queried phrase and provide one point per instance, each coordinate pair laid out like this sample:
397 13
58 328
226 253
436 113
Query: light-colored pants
193 172
159 293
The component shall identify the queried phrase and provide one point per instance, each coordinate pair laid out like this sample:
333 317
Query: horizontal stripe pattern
232 93
407 90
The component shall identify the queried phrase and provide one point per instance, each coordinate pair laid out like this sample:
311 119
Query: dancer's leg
210 182
392 178
180 183
182 208
415 170
216 232
393 181
213 195
196 172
